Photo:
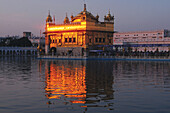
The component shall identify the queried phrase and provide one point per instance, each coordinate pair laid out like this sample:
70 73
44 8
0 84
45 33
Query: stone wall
69 51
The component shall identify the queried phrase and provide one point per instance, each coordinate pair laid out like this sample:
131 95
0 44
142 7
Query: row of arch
18 52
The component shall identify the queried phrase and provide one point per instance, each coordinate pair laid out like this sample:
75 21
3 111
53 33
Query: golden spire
66 20
84 5
48 12
66 14
49 18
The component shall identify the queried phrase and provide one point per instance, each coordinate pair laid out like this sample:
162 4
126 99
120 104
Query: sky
17 16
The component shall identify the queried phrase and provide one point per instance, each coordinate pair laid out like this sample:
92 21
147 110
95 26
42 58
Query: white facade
144 41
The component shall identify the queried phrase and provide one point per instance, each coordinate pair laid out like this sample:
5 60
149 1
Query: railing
106 57
18 48
18 51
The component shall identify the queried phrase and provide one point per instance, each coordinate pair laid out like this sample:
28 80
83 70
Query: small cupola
49 18
72 17
109 17
66 20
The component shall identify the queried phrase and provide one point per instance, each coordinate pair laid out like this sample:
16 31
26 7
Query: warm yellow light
78 102
64 28
83 23
53 45
66 81
77 20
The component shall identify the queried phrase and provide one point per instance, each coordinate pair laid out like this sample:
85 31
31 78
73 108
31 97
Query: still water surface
29 85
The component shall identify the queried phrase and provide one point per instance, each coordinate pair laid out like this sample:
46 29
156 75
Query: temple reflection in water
99 86
79 82
66 81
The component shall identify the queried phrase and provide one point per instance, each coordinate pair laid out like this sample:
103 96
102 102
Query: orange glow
53 45
77 20
83 23
67 27
78 102
67 82
83 106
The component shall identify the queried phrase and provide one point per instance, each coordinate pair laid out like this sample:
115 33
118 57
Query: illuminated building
144 41
76 37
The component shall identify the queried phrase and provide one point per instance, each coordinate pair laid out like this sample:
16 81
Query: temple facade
79 35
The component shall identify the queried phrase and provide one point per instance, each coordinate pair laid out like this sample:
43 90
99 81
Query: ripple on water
29 85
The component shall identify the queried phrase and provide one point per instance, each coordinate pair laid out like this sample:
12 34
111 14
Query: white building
37 40
143 41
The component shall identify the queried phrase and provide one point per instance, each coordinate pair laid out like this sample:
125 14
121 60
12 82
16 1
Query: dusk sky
17 16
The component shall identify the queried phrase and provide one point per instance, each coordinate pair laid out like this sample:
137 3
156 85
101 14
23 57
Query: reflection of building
68 81
79 35
144 41
86 83
99 82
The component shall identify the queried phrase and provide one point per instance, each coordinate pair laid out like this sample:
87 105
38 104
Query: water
29 85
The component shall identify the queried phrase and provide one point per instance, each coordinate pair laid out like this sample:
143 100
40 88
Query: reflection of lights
78 102
69 82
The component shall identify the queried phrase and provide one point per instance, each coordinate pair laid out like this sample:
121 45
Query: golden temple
76 37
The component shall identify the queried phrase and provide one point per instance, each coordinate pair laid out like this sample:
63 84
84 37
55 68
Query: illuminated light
54 97
67 82
53 45
83 23
76 95
78 102
77 20
55 28
65 28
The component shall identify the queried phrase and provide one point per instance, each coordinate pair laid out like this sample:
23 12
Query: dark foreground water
28 85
